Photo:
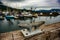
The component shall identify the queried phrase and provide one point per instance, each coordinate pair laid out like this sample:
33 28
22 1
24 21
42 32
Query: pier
49 30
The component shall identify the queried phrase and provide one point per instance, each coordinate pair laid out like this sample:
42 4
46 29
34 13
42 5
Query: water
7 26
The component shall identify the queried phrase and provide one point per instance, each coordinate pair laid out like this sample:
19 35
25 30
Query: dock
51 32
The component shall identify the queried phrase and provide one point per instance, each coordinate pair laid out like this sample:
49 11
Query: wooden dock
51 32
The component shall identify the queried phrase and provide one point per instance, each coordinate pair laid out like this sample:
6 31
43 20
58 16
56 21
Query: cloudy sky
40 4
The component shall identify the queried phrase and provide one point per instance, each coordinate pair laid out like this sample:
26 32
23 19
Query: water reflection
10 22
10 25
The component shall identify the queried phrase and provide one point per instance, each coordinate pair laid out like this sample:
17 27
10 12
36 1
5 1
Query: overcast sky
32 3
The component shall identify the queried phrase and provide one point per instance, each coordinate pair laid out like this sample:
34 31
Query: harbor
6 25
29 20
26 25
12 31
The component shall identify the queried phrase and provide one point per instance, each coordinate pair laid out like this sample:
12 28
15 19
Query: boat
48 14
9 17
1 18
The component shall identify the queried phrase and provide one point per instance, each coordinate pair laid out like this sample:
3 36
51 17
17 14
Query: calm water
6 26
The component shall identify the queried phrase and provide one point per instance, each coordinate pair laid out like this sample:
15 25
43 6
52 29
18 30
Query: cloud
14 0
31 3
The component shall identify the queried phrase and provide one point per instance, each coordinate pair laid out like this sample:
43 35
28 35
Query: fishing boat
9 17
1 18
48 14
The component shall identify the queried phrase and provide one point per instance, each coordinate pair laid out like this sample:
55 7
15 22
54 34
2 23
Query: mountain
55 9
52 10
3 7
0 3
